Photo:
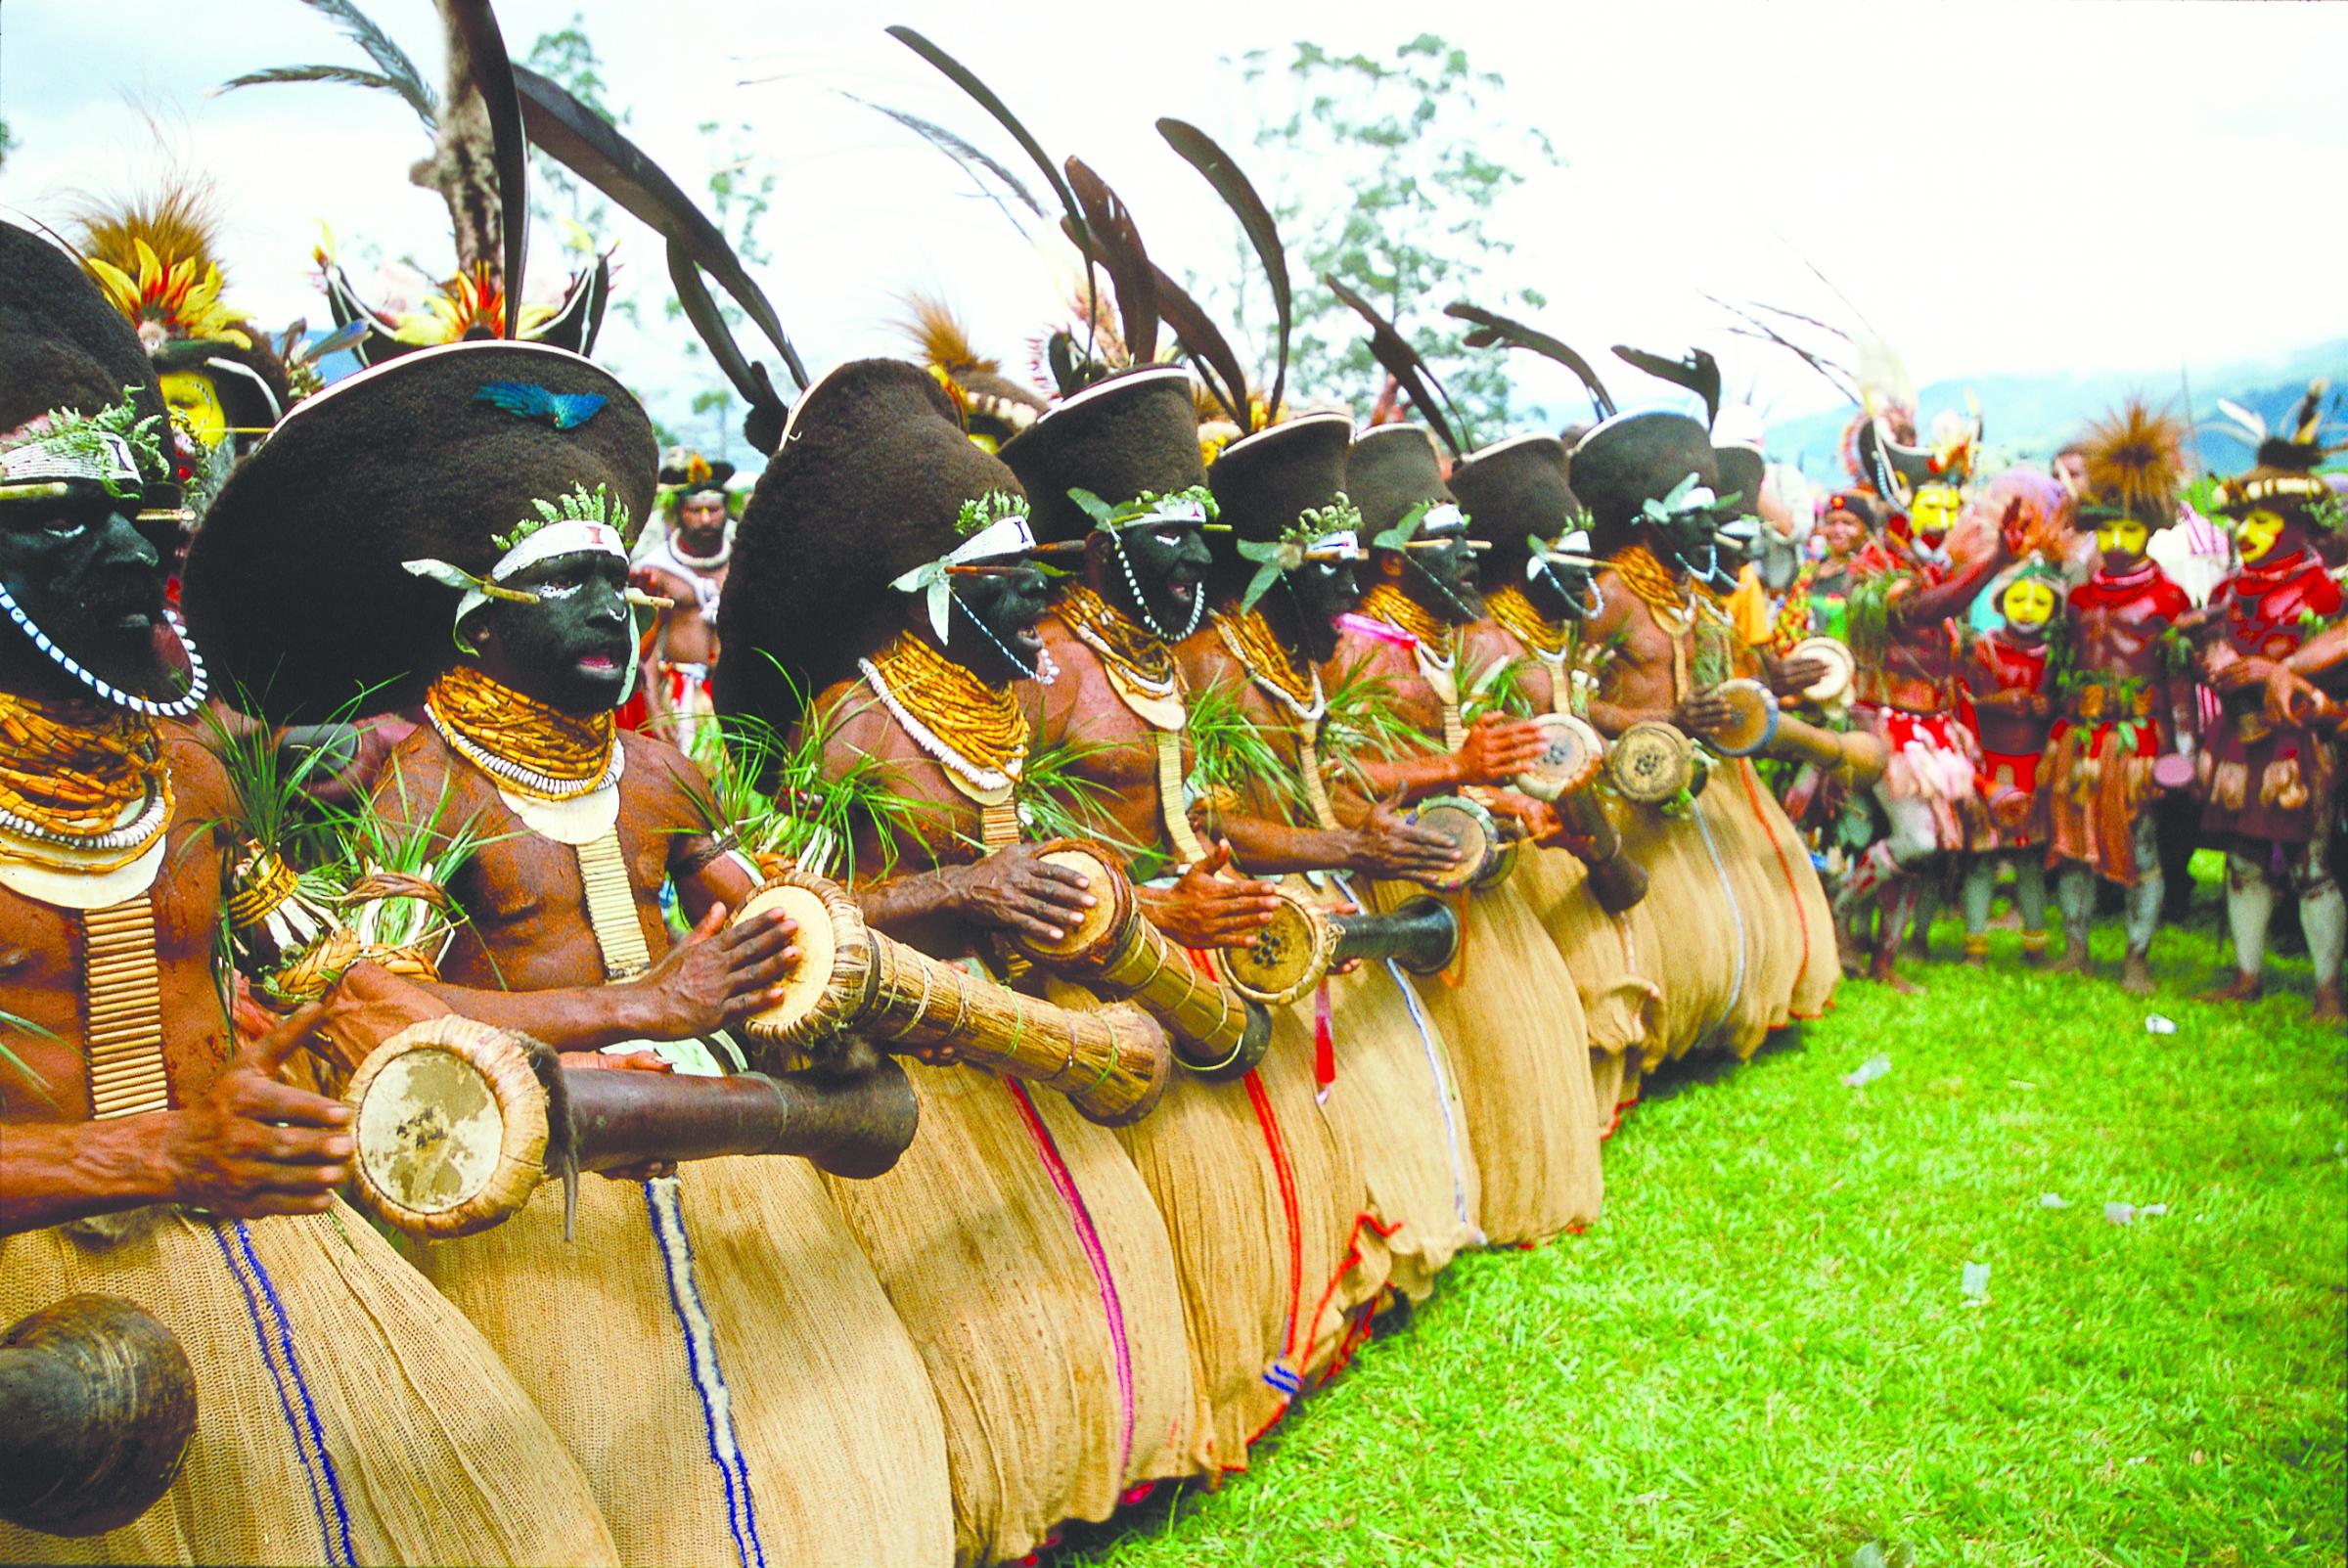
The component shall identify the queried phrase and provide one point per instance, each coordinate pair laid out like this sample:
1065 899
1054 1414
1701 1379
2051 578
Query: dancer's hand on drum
1017 889
1521 816
1388 845
1203 910
1497 748
1791 677
1705 715
720 974
253 1144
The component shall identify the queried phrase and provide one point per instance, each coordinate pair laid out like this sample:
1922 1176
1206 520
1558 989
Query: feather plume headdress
153 259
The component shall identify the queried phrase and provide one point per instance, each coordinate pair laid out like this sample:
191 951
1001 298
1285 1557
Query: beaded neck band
1515 612
178 708
1386 602
537 750
1250 639
69 775
970 728
1654 583
1145 659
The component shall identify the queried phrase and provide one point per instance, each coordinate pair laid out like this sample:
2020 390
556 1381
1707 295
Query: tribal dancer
1906 600
886 565
2009 704
492 584
1723 863
1252 1182
1539 590
347 1412
2126 701
2272 785
1513 1021
687 568
1283 574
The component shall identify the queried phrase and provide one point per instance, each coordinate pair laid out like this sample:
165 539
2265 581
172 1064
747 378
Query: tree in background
1408 158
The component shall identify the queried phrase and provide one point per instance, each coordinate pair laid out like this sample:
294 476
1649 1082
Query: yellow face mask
2256 534
196 403
2027 602
2121 536
1934 511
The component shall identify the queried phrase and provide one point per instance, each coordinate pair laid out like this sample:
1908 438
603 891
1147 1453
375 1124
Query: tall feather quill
590 146
1202 153
1403 362
1698 373
1492 327
1111 224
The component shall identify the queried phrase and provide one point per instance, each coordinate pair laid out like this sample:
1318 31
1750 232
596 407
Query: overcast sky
2017 186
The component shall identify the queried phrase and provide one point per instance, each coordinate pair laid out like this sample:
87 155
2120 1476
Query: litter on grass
2053 1200
2156 1024
1867 1072
2129 1212
1975 1284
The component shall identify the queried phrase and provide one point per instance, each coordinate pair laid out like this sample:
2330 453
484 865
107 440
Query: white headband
569 537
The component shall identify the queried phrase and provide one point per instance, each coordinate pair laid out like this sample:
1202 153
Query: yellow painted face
194 399
1932 512
2256 534
2121 536
2028 603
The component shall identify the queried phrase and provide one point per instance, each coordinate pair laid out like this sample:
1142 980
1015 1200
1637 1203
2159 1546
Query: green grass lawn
1763 1353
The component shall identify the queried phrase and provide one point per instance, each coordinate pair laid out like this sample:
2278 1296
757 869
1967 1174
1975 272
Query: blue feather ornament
565 411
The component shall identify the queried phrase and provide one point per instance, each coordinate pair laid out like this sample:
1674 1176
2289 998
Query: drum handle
854 1127
1421 934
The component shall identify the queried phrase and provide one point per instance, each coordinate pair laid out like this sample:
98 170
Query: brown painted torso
1121 751
1412 699
525 906
41 964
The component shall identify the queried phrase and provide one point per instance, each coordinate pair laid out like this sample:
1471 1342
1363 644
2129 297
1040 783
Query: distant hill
2029 417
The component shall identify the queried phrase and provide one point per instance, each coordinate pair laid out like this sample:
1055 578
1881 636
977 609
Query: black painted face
1445 579
1561 590
88 576
571 650
1688 540
1321 590
1168 563
994 634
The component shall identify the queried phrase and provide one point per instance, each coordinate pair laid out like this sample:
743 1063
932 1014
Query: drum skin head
1756 719
1572 754
1835 684
818 951
430 1130
1279 966
1468 828
1099 921
1650 762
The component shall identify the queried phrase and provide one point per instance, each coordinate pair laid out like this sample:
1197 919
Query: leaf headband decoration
1688 495
1425 514
1331 533
1194 505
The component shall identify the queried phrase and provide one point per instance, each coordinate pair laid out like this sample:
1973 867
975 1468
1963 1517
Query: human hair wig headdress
2135 464
875 495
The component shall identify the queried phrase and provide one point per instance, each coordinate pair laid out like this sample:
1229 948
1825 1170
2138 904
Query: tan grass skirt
344 1411
1511 1015
1026 1257
1610 957
1394 1101
719 1357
